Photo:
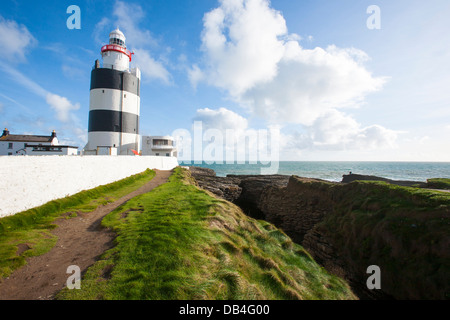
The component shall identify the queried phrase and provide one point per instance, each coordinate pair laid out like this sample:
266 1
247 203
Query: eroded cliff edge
349 226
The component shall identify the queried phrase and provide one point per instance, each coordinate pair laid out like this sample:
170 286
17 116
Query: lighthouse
114 105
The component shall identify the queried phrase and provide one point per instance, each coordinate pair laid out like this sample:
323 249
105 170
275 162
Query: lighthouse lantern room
114 106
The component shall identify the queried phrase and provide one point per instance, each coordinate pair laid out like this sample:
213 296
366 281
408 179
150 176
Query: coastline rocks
298 207
223 187
348 178
252 188
243 190
350 226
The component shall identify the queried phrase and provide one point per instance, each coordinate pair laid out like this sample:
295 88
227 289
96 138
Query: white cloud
151 68
250 53
241 44
100 29
228 134
127 18
62 106
23 80
195 75
337 131
227 137
311 82
16 40
221 119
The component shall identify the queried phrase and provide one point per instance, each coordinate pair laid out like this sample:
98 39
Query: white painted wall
27 182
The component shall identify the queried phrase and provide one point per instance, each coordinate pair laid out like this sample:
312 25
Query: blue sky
336 89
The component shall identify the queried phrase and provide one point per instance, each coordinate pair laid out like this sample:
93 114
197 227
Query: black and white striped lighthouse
114 101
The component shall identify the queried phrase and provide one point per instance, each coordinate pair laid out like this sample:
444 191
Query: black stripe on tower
102 78
113 121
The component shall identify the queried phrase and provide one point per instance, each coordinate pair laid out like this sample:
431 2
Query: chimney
5 132
53 134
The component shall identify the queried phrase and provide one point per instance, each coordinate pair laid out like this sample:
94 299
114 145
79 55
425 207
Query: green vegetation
28 233
439 183
180 242
403 230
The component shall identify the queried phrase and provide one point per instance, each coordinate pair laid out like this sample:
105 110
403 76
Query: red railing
113 47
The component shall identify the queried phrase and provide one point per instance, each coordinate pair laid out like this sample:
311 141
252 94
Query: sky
334 80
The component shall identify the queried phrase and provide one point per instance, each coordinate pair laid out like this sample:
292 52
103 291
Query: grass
179 242
28 233
403 230
439 183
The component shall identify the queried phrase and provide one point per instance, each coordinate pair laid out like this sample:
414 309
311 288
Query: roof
26 138
117 32
57 146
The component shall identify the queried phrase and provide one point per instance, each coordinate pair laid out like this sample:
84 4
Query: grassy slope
179 242
439 183
403 230
33 227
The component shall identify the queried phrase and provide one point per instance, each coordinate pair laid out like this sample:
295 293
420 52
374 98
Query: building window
167 154
157 154
9 153
10 145
161 142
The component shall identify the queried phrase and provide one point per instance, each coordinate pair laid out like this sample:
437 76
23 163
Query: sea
333 171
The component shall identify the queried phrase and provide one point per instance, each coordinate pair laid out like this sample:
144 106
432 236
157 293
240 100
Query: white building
114 106
33 145
162 146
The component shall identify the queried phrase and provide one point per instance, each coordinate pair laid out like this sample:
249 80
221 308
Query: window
117 41
9 153
10 145
157 154
160 142
167 154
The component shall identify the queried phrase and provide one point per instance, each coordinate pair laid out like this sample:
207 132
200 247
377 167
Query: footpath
81 240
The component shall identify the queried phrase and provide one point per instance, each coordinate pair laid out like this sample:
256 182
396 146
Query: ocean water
333 171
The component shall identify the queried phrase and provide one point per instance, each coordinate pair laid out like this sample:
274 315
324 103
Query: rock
252 187
223 187
347 227
297 207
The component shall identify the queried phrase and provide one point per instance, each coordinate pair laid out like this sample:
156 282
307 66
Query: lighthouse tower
114 101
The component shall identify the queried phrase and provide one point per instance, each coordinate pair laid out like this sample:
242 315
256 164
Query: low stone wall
27 182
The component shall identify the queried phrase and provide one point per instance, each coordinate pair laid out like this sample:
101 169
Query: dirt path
81 241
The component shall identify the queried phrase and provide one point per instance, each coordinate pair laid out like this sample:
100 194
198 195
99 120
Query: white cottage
32 145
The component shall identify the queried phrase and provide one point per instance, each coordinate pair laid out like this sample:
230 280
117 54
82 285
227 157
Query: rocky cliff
348 227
